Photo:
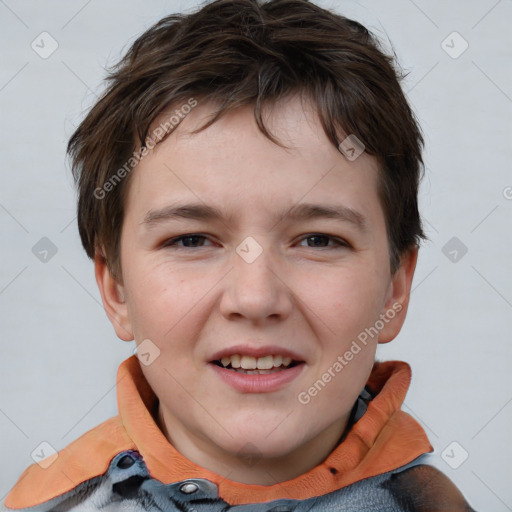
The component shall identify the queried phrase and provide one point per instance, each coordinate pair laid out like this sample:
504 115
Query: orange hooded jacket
127 460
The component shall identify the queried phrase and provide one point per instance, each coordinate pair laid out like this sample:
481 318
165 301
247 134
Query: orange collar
385 438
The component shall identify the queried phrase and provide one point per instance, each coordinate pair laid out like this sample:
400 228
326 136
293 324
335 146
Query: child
254 130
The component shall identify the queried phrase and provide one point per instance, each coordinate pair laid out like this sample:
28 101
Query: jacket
127 464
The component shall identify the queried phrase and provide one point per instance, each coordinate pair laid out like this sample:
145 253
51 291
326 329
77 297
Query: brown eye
322 241
189 241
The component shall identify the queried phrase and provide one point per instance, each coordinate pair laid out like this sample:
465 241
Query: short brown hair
250 52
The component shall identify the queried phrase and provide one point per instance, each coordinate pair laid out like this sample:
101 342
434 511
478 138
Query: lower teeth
256 372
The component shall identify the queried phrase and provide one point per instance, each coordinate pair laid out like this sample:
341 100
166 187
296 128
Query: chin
264 450
261 443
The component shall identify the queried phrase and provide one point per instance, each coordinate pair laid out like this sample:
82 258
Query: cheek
165 303
344 300
155 300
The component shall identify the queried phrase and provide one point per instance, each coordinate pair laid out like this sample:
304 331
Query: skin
306 294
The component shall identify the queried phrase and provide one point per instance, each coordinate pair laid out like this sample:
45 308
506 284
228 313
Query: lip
266 383
248 350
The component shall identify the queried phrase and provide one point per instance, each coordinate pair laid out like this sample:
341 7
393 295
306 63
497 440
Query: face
256 268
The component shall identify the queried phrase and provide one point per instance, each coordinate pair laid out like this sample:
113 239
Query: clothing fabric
127 464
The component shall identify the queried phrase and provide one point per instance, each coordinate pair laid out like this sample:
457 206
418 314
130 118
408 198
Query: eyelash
340 243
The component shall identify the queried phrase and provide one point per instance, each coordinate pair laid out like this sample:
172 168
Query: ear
397 300
113 297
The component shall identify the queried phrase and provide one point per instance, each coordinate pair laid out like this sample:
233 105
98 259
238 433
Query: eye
190 240
319 239
194 240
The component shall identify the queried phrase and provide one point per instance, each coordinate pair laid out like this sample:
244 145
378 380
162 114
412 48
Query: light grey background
59 352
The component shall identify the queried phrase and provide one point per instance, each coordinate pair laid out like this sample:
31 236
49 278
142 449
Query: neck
248 466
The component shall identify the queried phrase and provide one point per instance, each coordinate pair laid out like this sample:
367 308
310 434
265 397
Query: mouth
251 365
263 369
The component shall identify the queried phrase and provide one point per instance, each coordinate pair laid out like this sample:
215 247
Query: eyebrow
300 212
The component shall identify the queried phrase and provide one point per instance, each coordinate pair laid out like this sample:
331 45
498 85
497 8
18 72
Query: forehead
232 166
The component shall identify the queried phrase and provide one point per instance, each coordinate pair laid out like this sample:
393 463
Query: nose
256 288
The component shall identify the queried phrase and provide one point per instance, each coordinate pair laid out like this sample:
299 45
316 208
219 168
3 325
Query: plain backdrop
59 353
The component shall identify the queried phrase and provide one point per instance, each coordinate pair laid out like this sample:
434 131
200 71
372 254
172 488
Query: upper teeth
253 363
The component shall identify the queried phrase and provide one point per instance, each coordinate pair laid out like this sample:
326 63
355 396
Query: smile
248 374
256 365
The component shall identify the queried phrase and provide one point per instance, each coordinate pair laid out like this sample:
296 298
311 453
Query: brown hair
249 52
